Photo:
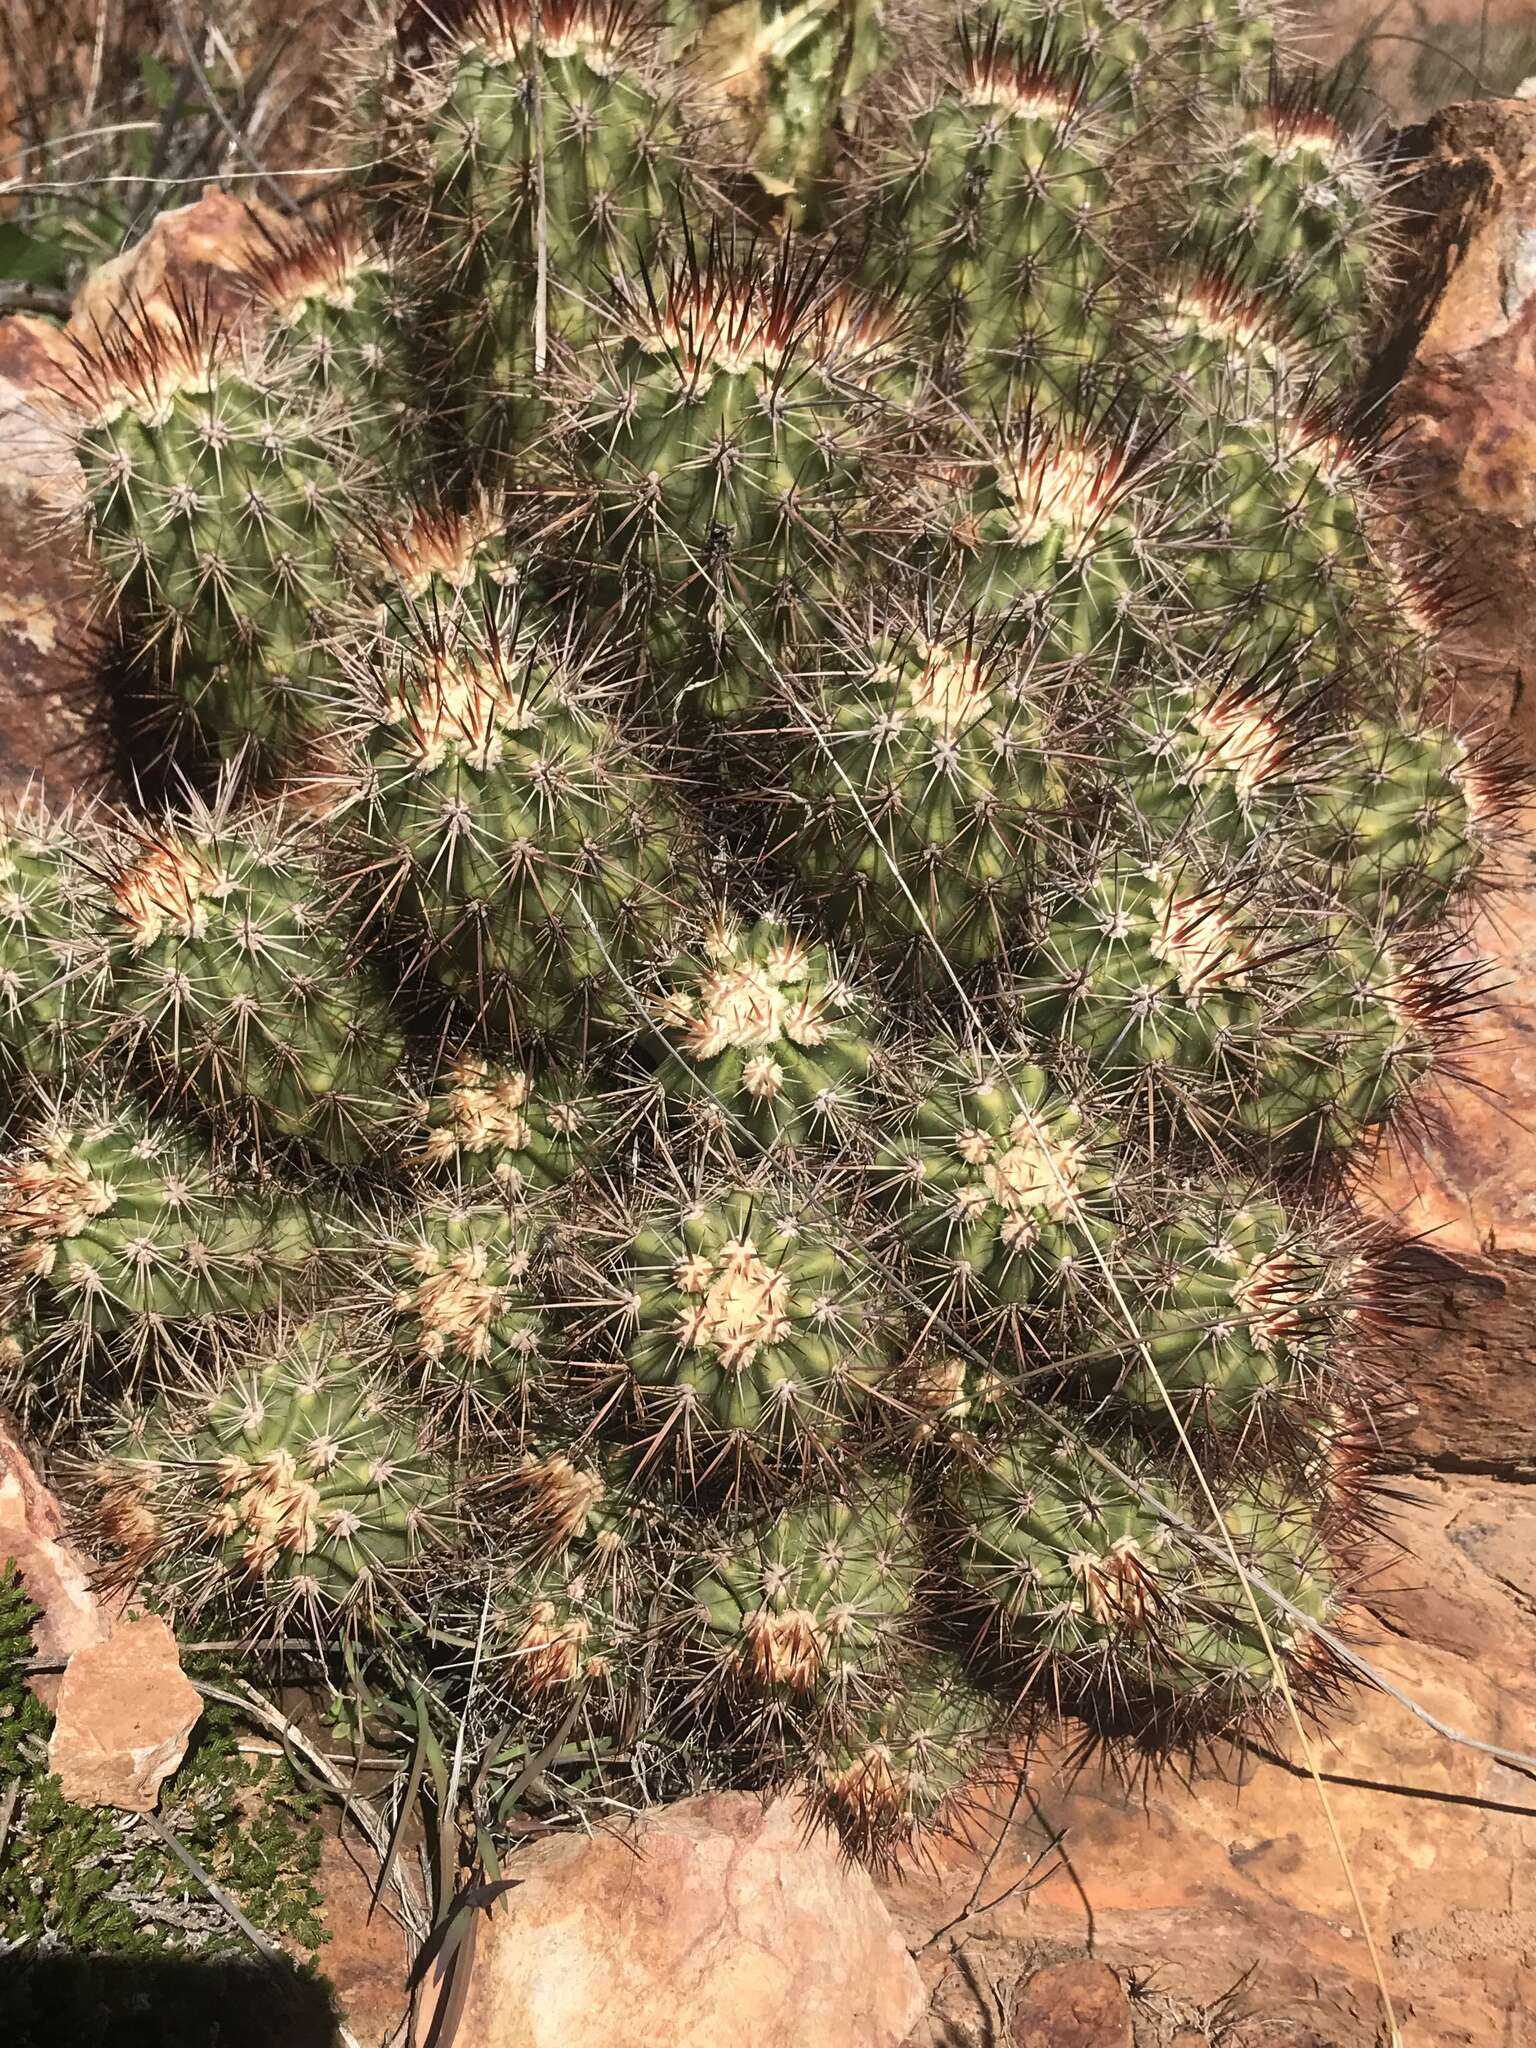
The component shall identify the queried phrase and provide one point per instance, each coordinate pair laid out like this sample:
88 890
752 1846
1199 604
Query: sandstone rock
198 255
366 1960
52 721
1411 55
125 1712
55 1576
709 1922
1465 452
1474 1361
1072 2005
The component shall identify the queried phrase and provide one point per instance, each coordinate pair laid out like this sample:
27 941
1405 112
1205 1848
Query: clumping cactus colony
809 826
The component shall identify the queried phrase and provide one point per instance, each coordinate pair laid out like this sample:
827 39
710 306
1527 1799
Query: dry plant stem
411 1912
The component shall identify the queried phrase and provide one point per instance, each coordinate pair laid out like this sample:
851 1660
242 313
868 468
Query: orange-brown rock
1465 454
1072 2005
366 1960
711 1922
52 719
54 1575
124 1713
1411 55
199 254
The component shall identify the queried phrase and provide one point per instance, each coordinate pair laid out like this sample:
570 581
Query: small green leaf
26 258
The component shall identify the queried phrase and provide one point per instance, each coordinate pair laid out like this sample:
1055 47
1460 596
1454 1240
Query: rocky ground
1084 1913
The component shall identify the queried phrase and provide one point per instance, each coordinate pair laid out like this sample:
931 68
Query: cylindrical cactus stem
117 1226
291 1486
572 1606
1116 49
757 1037
233 981
491 1126
463 1305
1290 202
536 160
341 311
926 787
1085 1581
994 209
1051 527
1407 819
1360 1022
587 1493
728 424
1150 969
502 828
813 1606
55 972
1287 566
1231 1319
1060 1562
1249 1649
1211 761
1218 46
215 504
750 1330
564 1620
1002 1189
892 1770
1220 347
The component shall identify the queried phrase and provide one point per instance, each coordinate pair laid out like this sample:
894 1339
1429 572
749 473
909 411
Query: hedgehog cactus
1000 1187
889 1772
302 1483
52 956
814 1601
463 1308
215 506
229 975
489 1124
1236 1313
820 821
752 1334
761 1032
504 830
127 1229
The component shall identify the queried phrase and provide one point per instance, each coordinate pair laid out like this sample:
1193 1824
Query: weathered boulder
712 1921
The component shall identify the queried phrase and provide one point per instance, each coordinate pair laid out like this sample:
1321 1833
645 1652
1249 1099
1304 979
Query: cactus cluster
815 823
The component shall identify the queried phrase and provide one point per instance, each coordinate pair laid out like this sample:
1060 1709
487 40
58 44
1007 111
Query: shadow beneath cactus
86 2001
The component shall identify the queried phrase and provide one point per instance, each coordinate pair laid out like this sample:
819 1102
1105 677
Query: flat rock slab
708 1923
125 1711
